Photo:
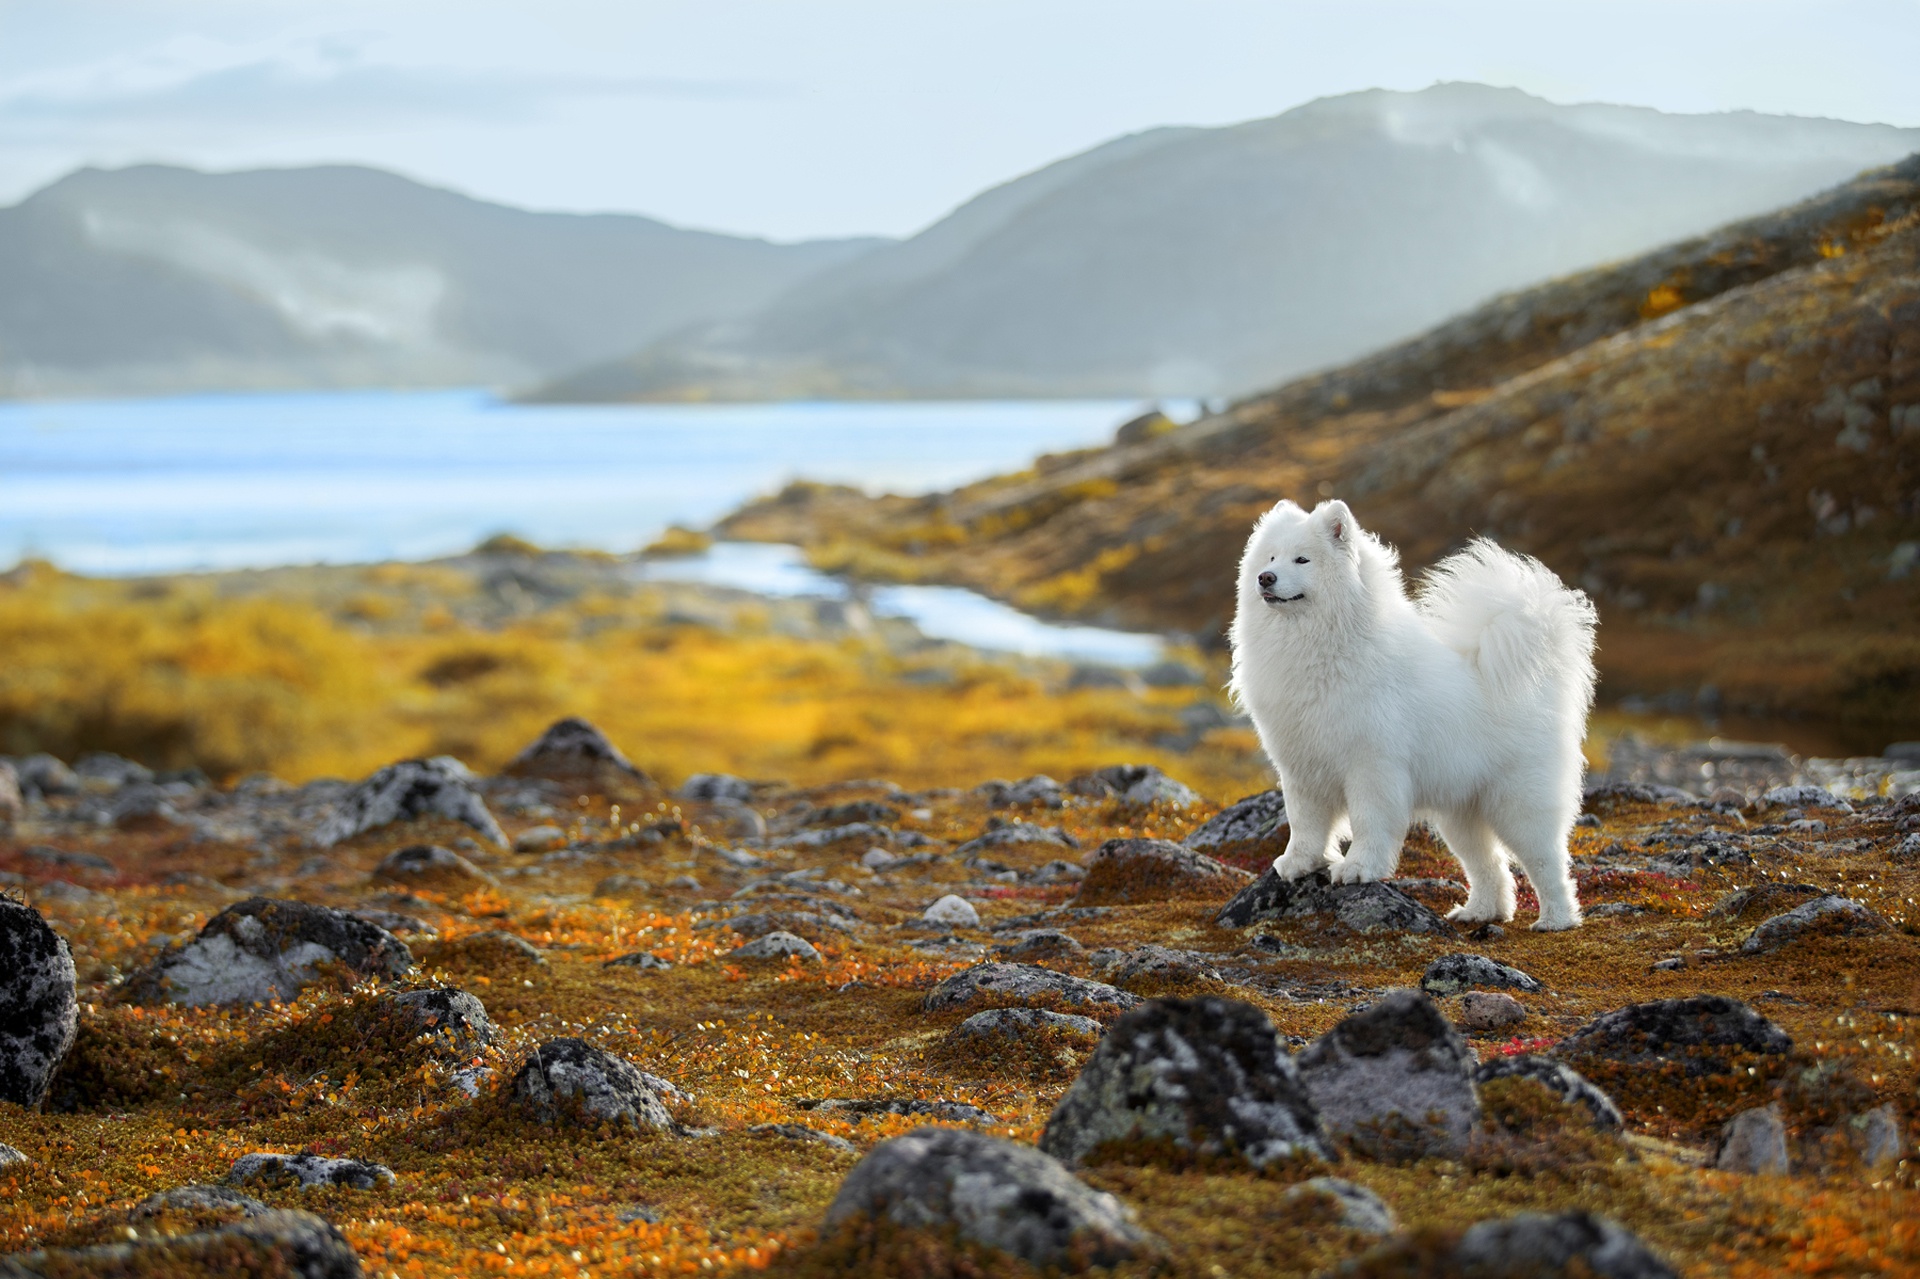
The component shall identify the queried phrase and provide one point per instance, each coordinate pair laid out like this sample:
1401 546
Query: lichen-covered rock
1001 985
309 1171
399 924
412 788
959 1112
1153 970
263 949
196 1198
777 946
1753 1141
12 1157
1486 1011
565 1076
1802 797
1133 784
1016 835
1365 908
714 787
1762 900
572 750
1039 790
1357 1208
1558 1078
1451 974
1039 943
39 1015
1207 1077
430 866
1830 916
992 1193
1015 1023
1394 1080
954 911
455 1015
1256 820
1698 1031
274 1244
1529 1245
1121 871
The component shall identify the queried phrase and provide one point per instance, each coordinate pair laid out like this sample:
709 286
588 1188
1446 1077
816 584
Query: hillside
1719 440
1216 261
159 279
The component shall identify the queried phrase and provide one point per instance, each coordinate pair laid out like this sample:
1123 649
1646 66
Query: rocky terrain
564 1019
1718 441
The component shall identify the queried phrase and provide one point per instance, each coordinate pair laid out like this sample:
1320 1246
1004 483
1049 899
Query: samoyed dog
1464 705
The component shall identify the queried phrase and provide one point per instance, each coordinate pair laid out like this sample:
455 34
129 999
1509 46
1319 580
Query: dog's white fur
1465 706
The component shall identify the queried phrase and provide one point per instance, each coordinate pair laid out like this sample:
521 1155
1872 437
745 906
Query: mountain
157 279
1719 441
1213 261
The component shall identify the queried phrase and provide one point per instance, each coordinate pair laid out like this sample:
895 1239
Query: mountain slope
158 278
1720 441
1213 261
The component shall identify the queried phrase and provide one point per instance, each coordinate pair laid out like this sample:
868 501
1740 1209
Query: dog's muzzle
1267 582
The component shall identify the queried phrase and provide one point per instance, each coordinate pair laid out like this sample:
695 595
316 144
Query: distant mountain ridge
1213 261
156 278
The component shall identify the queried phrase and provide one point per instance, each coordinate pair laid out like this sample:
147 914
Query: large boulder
1001 985
565 1078
1700 1033
1829 916
38 1013
574 751
263 949
991 1193
412 788
1133 784
1394 1080
1365 908
1207 1077
1122 871
1556 1077
274 1244
1256 822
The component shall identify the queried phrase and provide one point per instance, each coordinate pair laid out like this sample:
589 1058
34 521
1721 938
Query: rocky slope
1720 441
562 1021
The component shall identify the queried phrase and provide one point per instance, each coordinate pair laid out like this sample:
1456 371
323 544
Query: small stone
1017 1023
430 866
109 771
777 945
734 821
412 788
1877 1136
1451 974
1039 790
1001 985
685 883
539 839
11 1156
1684 1030
1360 1210
1151 969
1562 1080
715 787
616 886
1016 835
854 812
1039 943
1753 1141
1394 1080
1367 908
1053 872
396 923
644 960
42 775
1531 1244
452 1014
1207 1076
1133 784
1802 797
1123 871
953 910
39 1014
1829 916
802 1133
877 859
13 801
572 750
992 1193
262 949
196 1198
1763 900
1255 821
564 1072
1483 1011
912 1107
309 1171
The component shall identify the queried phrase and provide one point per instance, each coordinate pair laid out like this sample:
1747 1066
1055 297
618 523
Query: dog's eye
1299 559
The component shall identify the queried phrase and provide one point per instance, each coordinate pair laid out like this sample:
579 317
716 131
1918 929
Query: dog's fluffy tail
1516 623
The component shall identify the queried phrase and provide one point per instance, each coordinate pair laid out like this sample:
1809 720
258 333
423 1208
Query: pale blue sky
793 118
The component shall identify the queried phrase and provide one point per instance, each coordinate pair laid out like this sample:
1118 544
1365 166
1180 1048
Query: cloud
330 82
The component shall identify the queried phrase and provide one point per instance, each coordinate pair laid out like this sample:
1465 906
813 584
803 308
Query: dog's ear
1336 521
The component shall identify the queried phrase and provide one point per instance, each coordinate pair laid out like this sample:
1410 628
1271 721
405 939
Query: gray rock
539 839
1529 1245
1207 1076
498 947
1039 790
1038 943
1482 1011
428 863
10 1156
39 1015
1148 965
309 1171
1000 985
1828 916
1451 974
912 1107
1877 1136
110 771
1365 908
777 945
412 788
621 886
1753 1141
43 775
1562 1080
141 806
299 1246
802 1133
1360 1210
1685 1030
641 959
799 922
562 1073
1123 871
715 787
1016 835
196 1198
572 750
1394 1080
455 1015
853 812
954 911
992 1193
1133 784
1802 797
735 821
262 949
1017 1023
396 923
1053 872
1257 819
13 800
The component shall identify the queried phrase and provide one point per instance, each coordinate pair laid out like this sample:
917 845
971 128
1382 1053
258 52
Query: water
137 486
945 612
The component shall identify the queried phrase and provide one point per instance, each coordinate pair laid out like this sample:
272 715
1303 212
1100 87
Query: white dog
1465 706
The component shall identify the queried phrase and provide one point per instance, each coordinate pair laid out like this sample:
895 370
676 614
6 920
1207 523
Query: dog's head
1295 558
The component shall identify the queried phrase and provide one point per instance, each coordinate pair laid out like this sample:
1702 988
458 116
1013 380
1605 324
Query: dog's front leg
1310 821
1382 809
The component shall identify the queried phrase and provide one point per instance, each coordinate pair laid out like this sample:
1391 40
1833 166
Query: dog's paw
1475 913
1349 871
1287 866
1555 923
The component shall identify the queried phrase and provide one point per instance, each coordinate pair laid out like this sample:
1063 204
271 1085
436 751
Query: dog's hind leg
1310 829
1538 838
1490 893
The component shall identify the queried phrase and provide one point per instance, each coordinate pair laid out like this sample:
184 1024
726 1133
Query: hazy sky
793 118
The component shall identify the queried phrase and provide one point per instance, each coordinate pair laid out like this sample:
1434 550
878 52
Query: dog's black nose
1266 581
